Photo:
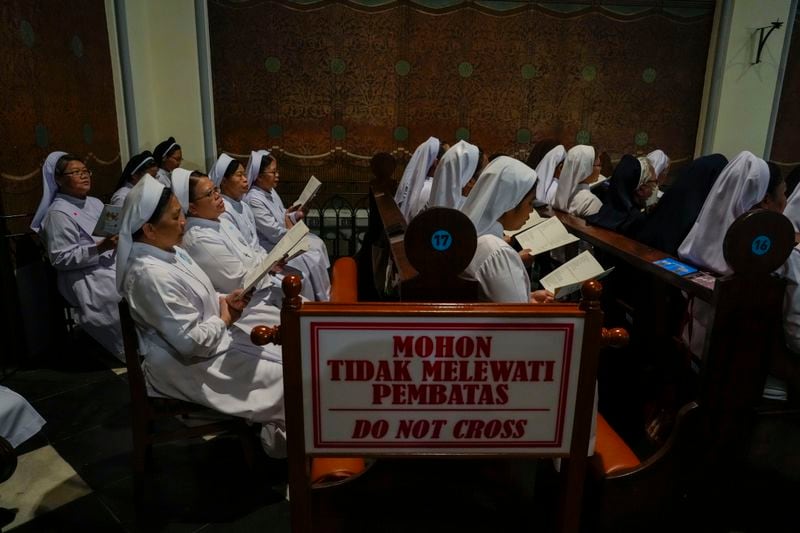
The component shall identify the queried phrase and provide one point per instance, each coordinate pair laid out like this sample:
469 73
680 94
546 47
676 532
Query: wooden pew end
611 455
344 281
334 471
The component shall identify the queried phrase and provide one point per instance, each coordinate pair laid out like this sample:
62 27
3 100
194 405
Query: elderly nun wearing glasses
65 221
188 332
220 248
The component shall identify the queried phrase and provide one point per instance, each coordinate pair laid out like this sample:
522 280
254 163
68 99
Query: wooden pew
421 232
703 459
629 250
394 228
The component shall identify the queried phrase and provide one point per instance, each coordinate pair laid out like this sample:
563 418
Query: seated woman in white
741 185
168 156
230 176
221 250
138 166
415 176
548 170
581 169
65 220
273 220
458 166
189 337
502 199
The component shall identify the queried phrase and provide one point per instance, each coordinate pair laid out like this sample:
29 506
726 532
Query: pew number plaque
404 385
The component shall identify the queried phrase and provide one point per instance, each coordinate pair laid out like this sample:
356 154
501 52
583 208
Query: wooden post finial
261 335
591 291
615 337
292 285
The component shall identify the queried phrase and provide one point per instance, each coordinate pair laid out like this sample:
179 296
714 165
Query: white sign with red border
411 384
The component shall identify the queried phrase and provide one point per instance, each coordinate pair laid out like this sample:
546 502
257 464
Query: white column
740 95
159 76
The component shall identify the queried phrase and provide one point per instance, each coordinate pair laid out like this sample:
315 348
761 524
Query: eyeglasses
175 158
79 173
209 194
273 172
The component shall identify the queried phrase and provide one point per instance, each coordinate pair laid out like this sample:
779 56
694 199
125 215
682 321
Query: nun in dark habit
630 185
672 218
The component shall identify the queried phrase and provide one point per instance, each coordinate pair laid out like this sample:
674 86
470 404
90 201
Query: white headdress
501 187
49 189
139 206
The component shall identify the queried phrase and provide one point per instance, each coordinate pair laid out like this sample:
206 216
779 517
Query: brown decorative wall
312 75
57 91
786 141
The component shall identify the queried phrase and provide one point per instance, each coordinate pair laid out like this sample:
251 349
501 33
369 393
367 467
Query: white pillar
157 76
740 96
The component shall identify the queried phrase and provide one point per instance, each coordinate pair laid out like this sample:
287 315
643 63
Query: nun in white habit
273 220
190 349
456 167
131 174
792 209
502 199
221 250
168 156
741 185
581 168
415 177
231 178
65 220
547 184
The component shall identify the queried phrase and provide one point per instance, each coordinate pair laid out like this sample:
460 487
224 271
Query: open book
109 221
569 277
600 180
546 235
293 243
533 219
309 191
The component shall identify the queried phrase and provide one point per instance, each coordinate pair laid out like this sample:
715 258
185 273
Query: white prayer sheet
533 219
600 179
569 277
291 245
545 236
109 221
309 191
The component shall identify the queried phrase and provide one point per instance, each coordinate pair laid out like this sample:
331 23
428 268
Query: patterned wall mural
312 75
786 141
57 91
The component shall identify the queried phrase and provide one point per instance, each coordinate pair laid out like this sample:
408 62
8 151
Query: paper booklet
533 219
309 191
600 180
569 277
108 223
292 244
546 235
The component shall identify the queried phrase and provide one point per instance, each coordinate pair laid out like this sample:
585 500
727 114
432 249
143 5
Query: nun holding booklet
189 335
65 221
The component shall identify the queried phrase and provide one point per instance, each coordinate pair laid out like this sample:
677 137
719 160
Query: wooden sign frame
573 466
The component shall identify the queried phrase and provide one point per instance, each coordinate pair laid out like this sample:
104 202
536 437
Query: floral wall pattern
57 87
312 75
